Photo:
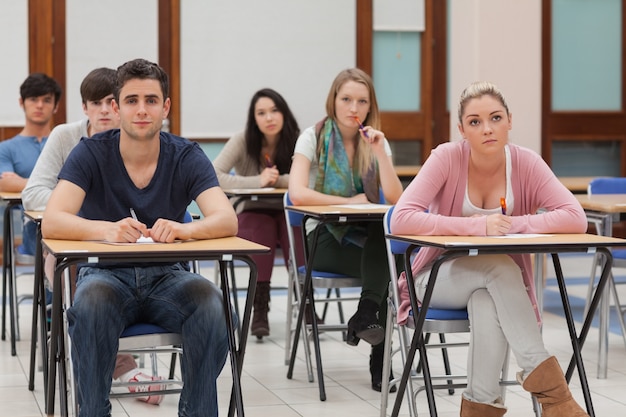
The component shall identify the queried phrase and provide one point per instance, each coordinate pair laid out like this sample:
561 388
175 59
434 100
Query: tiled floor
267 391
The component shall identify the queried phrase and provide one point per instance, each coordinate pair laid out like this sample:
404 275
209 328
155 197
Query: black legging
369 262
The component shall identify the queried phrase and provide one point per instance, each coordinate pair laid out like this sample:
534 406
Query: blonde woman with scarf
345 159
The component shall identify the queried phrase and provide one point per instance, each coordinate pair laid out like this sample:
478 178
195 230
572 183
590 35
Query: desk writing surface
188 248
607 203
10 196
407 171
34 215
242 192
549 240
341 209
576 184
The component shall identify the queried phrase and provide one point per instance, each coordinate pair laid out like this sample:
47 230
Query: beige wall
499 41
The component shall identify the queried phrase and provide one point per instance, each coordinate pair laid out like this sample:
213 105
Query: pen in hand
361 127
503 205
134 216
268 161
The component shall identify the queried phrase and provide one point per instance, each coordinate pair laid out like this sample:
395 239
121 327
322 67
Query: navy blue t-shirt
183 172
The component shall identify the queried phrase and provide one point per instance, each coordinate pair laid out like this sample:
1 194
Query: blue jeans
108 300
29 237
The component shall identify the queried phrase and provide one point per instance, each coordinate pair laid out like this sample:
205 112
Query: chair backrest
610 185
607 186
323 279
395 247
294 219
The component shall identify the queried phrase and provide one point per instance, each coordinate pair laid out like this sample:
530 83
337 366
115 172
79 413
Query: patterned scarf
334 177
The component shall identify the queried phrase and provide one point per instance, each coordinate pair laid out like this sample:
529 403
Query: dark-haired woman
261 157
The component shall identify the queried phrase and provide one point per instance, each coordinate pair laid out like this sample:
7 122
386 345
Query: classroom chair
438 321
138 340
609 186
330 282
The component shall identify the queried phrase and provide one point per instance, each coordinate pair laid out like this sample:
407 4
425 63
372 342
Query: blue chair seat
619 253
321 274
440 314
140 329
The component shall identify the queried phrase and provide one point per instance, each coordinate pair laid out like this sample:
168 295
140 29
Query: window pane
586 158
586 54
396 70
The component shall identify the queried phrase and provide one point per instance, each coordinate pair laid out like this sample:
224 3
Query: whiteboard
99 35
231 49
399 15
14 32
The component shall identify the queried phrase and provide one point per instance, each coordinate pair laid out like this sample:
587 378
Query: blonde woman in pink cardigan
458 191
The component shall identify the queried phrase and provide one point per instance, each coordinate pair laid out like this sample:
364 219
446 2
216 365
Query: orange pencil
361 127
503 205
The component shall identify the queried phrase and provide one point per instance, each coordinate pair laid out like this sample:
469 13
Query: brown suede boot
260 325
474 409
547 383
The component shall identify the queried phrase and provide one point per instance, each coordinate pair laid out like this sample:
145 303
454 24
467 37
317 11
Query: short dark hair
39 84
141 69
98 84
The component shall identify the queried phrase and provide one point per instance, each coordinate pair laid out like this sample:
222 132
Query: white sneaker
150 399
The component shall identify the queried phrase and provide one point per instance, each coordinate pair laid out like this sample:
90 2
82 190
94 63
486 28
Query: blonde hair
363 154
478 89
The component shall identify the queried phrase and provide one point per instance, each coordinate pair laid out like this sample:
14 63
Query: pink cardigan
439 188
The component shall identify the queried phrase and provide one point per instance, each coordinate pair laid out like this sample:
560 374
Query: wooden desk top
35 216
606 203
576 184
243 192
342 209
407 171
155 251
545 241
10 196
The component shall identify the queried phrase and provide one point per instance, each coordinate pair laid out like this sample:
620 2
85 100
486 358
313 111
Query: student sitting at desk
486 186
156 174
96 92
340 161
39 98
261 157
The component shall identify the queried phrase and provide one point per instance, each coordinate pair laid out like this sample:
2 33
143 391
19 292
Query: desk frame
249 194
602 210
502 247
9 276
324 215
67 258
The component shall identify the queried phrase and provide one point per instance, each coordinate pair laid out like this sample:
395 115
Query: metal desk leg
39 304
8 279
55 330
307 299
417 339
237 352
577 341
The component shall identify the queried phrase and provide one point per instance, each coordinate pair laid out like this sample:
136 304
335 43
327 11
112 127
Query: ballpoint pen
133 215
503 205
361 127
268 161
